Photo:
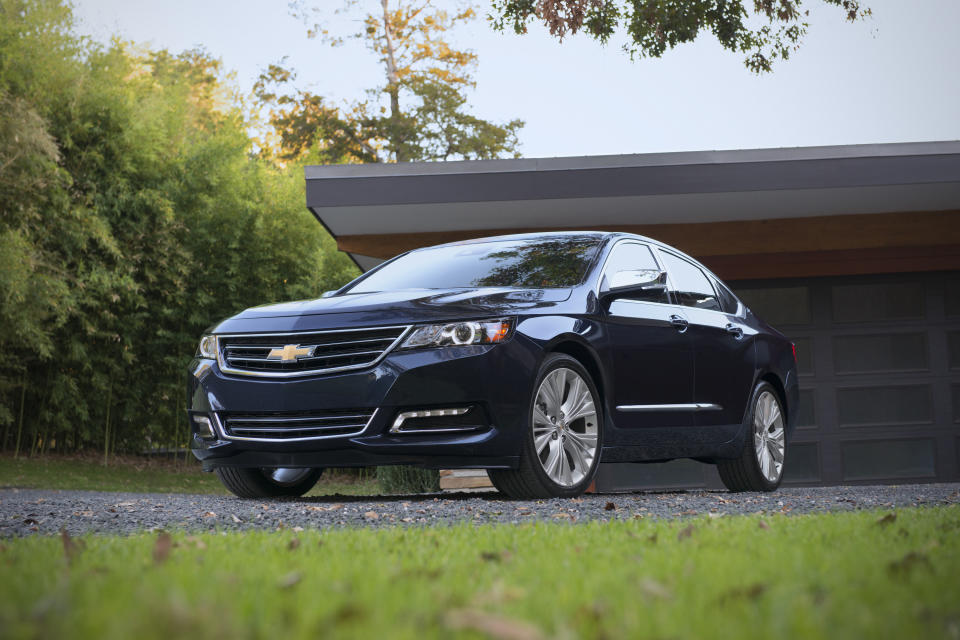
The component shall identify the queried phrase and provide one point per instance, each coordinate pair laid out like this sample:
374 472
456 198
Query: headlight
208 347
460 333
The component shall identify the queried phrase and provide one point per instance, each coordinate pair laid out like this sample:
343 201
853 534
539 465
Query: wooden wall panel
785 247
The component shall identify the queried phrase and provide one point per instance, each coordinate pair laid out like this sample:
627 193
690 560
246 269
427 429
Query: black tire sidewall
552 362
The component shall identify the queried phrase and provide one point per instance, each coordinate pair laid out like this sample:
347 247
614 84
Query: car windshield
546 262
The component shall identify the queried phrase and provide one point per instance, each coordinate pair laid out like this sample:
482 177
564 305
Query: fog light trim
432 413
204 427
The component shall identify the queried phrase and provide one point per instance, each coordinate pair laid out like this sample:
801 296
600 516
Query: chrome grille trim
325 351
356 424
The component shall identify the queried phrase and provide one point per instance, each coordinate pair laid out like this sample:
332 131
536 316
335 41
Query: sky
894 77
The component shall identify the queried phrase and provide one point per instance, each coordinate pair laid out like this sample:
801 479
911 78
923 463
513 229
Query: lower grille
280 426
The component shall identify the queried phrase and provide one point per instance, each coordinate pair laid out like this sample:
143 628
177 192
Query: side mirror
327 294
624 283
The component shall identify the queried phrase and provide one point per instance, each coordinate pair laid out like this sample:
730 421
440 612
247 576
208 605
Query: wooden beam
730 238
835 263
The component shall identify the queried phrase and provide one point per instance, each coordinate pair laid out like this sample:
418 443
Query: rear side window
728 302
692 287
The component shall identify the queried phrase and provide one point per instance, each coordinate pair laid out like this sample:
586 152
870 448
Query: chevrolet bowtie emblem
290 353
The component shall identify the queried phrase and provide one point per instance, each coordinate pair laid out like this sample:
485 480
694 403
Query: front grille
298 354
294 425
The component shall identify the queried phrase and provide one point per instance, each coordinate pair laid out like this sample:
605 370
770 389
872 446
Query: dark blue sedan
532 356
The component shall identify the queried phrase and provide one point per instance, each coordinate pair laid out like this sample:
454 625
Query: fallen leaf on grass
653 589
196 542
161 548
493 626
290 580
293 544
498 594
763 525
495 556
71 547
686 532
890 518
908 562
371 515
750 592
609 507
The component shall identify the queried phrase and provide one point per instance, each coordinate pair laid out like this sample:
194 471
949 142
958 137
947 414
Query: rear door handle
734 330
679 323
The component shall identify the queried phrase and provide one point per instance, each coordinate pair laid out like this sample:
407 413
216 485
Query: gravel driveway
28 511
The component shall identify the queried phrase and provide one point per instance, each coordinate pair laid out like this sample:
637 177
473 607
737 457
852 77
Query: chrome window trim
693 406
221 361
222 432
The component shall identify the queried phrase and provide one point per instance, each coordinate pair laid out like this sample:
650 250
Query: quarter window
631 256
692 287
728 302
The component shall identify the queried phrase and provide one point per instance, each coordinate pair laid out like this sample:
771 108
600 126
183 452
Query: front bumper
496 378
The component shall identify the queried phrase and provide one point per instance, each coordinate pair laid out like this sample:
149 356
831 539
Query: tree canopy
764 30
133 214
418 111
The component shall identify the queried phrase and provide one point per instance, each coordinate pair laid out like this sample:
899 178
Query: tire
564 446
255 482
763 433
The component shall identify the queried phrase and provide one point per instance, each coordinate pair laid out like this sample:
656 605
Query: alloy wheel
768 436
565 427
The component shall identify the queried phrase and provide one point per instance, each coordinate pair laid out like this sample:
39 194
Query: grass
144 475
848 575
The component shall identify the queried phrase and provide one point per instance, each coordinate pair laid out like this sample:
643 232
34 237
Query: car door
723 344
649 351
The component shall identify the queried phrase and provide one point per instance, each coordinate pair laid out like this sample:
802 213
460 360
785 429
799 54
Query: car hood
384 308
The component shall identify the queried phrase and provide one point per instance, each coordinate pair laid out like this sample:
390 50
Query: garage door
879 364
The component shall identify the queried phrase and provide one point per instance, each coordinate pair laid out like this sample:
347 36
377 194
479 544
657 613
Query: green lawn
141 475
849 575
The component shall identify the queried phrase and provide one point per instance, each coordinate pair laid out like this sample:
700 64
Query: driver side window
632 256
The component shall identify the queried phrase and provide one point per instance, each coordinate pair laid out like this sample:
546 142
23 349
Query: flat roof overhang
752 213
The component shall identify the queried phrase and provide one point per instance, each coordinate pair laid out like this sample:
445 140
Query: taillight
794 347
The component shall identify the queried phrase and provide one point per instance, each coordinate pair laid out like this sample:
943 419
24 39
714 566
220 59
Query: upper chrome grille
317 352
273 426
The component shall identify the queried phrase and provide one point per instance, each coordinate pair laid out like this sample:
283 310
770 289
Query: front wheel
268 482
563 435
760 465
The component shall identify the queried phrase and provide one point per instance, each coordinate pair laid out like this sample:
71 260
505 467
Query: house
852 251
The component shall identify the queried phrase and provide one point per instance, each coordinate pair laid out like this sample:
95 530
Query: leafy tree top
765 30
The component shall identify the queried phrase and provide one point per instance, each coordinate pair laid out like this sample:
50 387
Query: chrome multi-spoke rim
565 427
768 436
285 476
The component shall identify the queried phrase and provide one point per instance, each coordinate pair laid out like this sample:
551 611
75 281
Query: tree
767 31
132 217
420 110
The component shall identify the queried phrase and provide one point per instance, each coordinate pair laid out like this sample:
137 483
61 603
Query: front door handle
734 330
679 323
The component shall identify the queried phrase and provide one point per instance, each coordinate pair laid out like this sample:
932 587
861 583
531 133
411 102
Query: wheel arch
578 349
774 381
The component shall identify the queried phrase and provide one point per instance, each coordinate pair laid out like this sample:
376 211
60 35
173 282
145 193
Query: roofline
674 158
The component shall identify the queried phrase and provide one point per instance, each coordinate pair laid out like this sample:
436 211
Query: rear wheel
760 465
268 482
563 435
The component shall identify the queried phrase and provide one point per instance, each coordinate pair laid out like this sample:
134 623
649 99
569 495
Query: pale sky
892 78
